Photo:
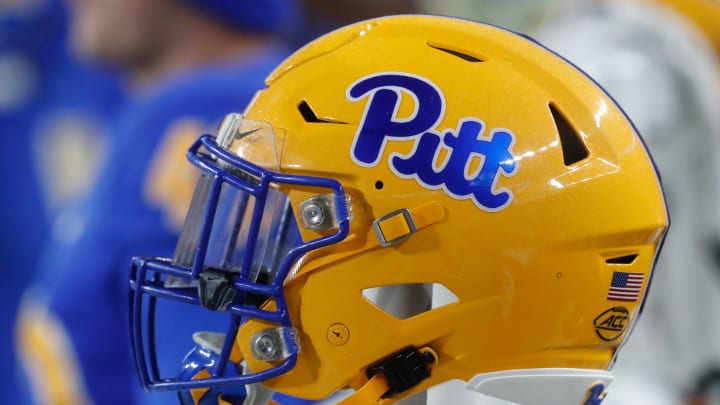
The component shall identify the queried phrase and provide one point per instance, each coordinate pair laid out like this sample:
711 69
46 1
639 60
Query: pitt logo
595 395
472 162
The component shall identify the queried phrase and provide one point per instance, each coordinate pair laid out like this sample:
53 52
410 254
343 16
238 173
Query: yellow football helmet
414 199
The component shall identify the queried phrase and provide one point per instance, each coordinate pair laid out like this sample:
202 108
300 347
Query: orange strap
370 393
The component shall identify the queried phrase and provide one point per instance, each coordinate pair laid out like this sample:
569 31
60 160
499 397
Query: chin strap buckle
394 227
394 375
399 225
404 370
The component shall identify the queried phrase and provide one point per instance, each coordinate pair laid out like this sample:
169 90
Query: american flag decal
625 286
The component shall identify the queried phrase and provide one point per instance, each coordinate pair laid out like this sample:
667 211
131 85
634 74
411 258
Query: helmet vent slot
454 52
627 259
404 301
309 115
573 148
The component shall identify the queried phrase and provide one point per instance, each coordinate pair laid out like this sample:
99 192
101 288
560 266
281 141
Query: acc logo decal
612 323
464 144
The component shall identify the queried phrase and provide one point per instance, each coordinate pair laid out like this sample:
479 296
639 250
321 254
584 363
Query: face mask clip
275 344
215 289
318 213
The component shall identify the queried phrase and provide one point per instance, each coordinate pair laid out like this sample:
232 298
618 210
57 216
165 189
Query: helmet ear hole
404 301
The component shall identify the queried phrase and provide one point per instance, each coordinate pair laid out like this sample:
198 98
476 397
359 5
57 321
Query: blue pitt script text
596 394
456 175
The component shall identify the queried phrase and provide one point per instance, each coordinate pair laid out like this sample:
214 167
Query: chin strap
388 230
370 393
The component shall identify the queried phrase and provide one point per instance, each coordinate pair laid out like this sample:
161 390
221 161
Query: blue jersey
131 212
41 86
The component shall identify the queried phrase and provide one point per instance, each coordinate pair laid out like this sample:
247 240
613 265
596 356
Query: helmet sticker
456 175
611 324
625 286
596 393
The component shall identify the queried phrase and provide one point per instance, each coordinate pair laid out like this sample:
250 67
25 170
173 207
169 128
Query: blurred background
100 98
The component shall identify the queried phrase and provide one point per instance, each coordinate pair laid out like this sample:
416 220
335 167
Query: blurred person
323 16
48 101
663 73
186 64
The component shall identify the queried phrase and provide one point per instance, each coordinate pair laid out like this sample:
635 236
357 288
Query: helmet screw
265 346
313 214
338 334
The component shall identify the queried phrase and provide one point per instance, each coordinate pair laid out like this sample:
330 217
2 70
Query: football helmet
410 200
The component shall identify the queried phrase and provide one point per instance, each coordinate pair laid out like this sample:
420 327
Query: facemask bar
222 167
